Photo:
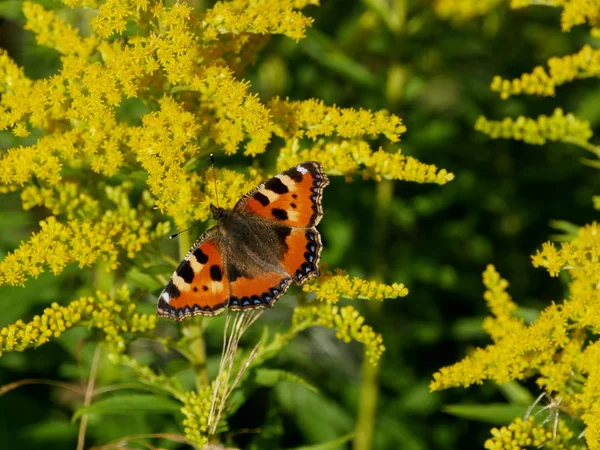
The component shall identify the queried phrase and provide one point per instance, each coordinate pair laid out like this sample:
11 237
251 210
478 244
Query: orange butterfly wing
292 198
199 285
257 292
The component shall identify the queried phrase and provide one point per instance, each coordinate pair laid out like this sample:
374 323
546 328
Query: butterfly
257 249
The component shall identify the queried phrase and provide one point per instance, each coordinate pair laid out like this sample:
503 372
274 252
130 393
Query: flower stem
193 330
369 388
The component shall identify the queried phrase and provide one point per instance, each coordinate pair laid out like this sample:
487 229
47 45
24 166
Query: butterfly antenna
212 160
173 236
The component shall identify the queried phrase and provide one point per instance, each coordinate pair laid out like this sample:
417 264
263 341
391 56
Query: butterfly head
217 212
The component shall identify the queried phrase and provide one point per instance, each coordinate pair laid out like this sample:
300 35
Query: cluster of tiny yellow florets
525 434
350 157
346 321
334 286
561 70
559 349
575 12
111 314
557 127
85 239
196 409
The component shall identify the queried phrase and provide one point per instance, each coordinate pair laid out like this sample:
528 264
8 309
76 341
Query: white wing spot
302 170
166 297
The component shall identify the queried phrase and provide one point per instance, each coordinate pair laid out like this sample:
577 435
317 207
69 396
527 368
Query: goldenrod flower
112 315
583 64
333 286
557 127
346 321
522 434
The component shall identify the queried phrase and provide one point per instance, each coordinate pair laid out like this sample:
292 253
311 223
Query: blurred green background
436 240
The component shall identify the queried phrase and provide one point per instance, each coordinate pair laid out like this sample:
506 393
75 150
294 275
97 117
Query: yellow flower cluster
196 409
580 256
501 306
112 315
559 349
351 157
575 12
56 245
333 286
463 10
312 118
583 64
257 16
347 322
524 434
557 127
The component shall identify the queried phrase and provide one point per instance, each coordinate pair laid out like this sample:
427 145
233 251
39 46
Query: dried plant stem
193 330
231 338
89 395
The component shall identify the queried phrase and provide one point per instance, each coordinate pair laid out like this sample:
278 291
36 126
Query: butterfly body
266 242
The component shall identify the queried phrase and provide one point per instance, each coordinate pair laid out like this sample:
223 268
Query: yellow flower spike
561 70
330 287
312 118
261 17
55 33
196 409
81 241
524 433
463 10
558 127
501 306
57 319
346 321
356 157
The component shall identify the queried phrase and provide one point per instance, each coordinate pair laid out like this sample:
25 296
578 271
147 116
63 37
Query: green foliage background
436 240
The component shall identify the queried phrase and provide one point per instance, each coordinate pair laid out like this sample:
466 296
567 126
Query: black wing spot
205 288
172 290
277 186
195 288
201 257
185 271
293 205
261 198
234 273
279 214
295 175
215 273
294 196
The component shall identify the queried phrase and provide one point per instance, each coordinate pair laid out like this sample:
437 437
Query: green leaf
326 52
271 377
143 280
516 393
329 445
492 413
130 404
11 9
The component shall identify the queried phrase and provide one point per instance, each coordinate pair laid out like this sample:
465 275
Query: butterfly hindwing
259 291
291 198
199 285
301 259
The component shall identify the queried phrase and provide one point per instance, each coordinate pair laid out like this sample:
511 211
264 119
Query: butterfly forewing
291 198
